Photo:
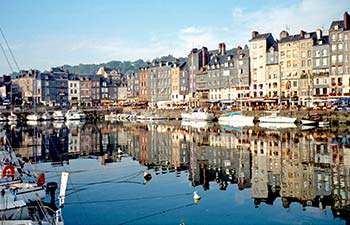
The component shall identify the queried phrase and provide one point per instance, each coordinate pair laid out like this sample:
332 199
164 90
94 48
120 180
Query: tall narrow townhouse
339 42
197 61
272 75
143 83
320 69
179 81
295 55
220 70
159 80
258 46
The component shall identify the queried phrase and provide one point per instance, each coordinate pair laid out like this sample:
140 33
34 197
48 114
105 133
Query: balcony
340 84
333 84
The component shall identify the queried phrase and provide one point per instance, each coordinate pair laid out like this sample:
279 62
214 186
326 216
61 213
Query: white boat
58 115
274 118
275 125
33 117
198 115
235 117
74 114
323 123
150 116
18 212
11 207
248 123
196 124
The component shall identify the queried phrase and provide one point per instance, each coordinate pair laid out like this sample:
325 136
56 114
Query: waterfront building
96 90
221 70
197 61
295 56
339 42
54 87
259 44
143 83
320 68
159 84
273 90
104 84
179 83
132 86
74 90
27 83
85 90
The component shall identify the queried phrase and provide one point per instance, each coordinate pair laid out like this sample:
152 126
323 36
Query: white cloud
307 15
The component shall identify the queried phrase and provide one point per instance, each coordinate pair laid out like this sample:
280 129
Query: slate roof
261 36
340 24
298 37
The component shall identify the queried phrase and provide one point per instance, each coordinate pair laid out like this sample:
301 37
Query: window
340 47
340 37
282 53
303 54
309 53
340 58
333 58
317 62
318 53
309 62
295 83
325 52
333 37
324 61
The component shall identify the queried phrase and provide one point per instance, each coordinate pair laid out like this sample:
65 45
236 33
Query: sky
47 33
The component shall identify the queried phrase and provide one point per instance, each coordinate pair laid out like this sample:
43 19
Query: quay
98 113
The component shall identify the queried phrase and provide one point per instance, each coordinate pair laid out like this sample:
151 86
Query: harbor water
248 175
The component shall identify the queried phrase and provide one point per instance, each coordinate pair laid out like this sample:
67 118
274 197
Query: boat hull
198 116
277 119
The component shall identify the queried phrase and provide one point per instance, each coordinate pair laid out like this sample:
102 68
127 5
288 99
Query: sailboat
275 117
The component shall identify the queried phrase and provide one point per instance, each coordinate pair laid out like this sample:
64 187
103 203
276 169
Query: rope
7 59
8 46
157 213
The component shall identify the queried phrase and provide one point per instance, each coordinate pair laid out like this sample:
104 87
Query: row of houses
298 69
59 87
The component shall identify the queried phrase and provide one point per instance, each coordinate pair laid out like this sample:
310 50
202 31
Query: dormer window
336 27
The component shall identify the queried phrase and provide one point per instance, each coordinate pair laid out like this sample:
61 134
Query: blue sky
46 33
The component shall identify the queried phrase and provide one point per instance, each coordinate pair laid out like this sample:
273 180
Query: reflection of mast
241 175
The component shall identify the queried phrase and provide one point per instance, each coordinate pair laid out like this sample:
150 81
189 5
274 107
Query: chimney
319 34
346 21
222 48
204 56
302 33
254 34
239 49
283 34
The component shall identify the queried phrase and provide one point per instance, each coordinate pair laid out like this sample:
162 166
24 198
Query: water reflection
310 166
